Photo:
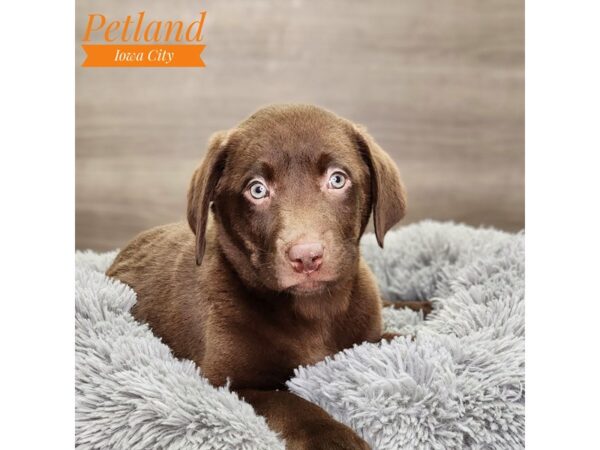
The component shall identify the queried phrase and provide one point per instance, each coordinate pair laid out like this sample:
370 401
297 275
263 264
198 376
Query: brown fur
223 294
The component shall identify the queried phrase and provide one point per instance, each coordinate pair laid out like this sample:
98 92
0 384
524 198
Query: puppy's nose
306 257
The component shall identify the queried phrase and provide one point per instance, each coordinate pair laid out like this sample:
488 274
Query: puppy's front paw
391 336
337 438
419 305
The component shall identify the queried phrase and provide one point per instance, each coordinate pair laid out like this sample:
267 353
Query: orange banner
143 55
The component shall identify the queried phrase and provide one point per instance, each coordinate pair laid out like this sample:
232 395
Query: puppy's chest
294 345
305 347
272 351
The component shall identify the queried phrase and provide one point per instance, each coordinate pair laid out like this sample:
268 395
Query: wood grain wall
440 85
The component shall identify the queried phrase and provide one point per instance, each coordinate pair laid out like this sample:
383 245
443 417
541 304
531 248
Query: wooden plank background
440 85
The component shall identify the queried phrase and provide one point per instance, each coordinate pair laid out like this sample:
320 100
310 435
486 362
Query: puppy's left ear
202 189
388 196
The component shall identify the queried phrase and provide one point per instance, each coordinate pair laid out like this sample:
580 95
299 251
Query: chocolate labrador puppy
267 275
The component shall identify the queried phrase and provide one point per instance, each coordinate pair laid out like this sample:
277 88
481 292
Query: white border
562 223
37 237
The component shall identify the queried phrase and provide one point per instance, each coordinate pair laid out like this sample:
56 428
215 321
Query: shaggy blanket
458 384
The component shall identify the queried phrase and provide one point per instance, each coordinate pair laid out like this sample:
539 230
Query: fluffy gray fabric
130 393
459 384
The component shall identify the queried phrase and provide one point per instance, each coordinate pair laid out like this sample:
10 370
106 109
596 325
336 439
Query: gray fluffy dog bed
459 384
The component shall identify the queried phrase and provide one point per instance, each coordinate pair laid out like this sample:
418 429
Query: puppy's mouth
310 284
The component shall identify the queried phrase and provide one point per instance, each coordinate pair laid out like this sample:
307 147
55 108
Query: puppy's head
292 189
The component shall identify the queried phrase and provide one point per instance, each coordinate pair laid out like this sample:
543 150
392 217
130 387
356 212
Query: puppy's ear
202 189
388 197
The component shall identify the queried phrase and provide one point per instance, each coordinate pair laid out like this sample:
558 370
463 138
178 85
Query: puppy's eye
337 180
258 190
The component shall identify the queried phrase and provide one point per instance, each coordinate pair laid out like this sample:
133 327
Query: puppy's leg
419 305
390 336
302 424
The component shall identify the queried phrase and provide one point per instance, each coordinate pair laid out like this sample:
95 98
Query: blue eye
258 190
337 180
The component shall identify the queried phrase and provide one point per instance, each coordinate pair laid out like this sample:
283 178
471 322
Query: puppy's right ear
202 189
